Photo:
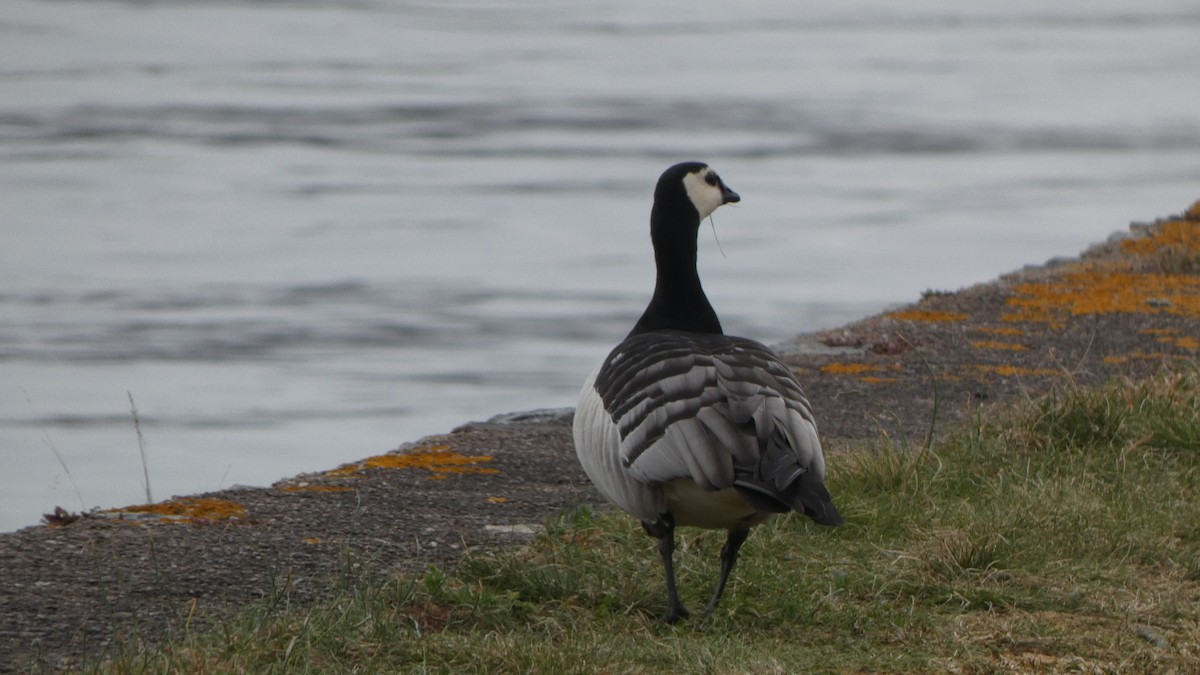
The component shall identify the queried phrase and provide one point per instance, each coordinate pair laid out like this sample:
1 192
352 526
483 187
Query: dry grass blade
137 425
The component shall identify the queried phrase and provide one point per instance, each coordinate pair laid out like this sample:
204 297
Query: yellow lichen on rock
439 460
850 368
1003 346
1157 276
1189 343
1013 371
840 368
187 510
1145 356
315 488
927 315
1105 289
1179 235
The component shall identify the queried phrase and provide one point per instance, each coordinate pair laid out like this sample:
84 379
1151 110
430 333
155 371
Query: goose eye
712 179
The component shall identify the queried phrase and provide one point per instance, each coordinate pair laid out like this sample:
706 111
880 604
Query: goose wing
725 412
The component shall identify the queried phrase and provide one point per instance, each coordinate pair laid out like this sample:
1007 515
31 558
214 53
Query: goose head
694 185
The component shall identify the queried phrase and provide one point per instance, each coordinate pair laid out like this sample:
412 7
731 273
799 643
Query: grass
137 425
1061 535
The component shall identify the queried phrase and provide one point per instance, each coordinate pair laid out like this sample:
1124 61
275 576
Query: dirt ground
1127 307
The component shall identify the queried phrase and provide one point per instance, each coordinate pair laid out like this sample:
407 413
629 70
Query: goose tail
779 484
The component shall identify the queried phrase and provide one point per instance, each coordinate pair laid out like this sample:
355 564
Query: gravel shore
1127 307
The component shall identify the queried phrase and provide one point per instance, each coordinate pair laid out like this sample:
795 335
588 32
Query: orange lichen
1183 342
312 540
315 488
1012 371
1177 235
990 344
1159 331
859 368
438 460
189 509
927 315
850 368
1147 356
1097 289
1000 331
497 500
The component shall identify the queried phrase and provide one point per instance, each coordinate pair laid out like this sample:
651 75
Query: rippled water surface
299 233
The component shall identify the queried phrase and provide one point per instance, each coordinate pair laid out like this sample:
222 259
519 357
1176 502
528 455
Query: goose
682 425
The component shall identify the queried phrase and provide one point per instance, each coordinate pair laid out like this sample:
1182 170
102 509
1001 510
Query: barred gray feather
723 411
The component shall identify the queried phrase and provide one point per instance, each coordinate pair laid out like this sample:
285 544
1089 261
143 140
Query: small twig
137 425
224 476
63 464
57 455
713 224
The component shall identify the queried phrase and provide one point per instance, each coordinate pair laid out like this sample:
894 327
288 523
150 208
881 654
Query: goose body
682 425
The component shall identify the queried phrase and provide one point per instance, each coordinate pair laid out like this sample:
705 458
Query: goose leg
664 530
729 555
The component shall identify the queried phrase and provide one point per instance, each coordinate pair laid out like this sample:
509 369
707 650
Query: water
300 233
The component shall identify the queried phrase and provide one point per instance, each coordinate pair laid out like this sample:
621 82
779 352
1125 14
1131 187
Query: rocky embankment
1127 307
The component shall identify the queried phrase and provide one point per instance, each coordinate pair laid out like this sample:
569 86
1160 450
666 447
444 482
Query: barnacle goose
684 425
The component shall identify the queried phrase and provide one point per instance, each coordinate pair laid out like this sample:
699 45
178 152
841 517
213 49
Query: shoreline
1123 308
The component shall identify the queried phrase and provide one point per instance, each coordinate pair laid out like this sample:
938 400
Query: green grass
1060 535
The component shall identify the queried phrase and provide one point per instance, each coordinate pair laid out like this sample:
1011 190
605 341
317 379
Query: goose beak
729 196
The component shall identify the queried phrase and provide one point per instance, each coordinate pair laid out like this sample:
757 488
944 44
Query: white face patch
705 196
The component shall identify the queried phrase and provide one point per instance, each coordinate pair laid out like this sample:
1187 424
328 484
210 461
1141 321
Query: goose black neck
679 302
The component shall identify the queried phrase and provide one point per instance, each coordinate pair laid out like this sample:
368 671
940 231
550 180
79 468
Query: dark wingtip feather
825 514
809 497
778 484
813 499
759 498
